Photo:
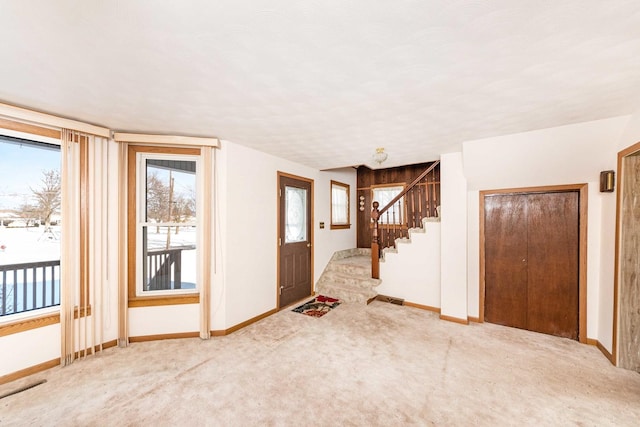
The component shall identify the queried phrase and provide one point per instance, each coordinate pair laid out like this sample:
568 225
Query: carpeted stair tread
350 279
352 269
361 260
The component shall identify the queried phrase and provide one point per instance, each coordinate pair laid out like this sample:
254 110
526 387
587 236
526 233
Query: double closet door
532 261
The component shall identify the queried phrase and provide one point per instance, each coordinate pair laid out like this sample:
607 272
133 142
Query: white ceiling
324 82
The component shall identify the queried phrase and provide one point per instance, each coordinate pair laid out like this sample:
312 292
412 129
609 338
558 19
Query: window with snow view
30 226
167 224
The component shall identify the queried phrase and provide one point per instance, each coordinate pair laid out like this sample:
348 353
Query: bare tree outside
157 199
184 208
48 196
27 212
167 202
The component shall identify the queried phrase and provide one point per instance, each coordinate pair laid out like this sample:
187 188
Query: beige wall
564 155
246 283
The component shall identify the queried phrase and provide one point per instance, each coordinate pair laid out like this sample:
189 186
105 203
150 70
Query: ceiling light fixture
380 156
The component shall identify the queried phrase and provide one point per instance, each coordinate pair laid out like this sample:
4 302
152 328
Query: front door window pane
296 218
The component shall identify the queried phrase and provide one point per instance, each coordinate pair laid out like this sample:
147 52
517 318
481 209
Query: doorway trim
278 230
616 276
582 189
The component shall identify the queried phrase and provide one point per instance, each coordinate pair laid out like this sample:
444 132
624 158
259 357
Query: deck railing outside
163 268
29 286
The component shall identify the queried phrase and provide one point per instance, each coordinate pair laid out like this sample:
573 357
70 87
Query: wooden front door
532 261
294 239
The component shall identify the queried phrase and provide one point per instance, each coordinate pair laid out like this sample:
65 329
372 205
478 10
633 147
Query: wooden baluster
433 199
399 221
427 194
375 244
421 205
413 208
397 230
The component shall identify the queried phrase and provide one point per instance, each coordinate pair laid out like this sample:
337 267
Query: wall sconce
380 156
361 203
607 181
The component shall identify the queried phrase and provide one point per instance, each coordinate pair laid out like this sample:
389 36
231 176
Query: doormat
317 307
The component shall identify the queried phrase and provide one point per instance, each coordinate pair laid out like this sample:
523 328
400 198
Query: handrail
408 187
375 216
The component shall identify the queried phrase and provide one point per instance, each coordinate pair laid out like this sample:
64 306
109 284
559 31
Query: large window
166 222
30 225
384 195
339 205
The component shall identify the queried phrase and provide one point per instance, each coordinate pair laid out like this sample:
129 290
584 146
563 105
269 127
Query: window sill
29 323
340 226
51 316
150 301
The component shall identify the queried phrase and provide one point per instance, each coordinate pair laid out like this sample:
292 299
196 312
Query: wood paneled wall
404 175
629 287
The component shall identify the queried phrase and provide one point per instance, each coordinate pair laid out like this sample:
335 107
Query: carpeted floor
376 365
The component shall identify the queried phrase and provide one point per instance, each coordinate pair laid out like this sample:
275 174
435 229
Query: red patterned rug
317 307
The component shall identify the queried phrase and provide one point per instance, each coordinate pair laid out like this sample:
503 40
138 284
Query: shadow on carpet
317 307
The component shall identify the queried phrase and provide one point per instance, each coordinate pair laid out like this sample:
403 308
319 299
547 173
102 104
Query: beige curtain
121 197
70 241
207 258
85 253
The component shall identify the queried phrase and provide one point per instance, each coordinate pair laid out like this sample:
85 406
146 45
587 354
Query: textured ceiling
325 82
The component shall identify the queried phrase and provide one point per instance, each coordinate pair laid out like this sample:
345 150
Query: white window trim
141 158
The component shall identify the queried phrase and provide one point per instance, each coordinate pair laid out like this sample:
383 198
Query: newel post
375 244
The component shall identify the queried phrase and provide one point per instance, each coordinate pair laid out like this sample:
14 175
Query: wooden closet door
505 259
553 240
532 262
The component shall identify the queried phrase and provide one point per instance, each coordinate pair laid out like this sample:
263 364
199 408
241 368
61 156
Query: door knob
308 245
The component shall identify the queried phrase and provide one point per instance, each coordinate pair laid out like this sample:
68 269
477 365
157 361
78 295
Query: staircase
347 277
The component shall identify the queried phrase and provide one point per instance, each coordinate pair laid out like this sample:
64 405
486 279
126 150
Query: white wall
453 270
248 217
164 319
473 254
563 155
413 273
29 348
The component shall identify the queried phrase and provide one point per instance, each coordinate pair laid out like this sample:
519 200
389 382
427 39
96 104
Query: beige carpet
376 365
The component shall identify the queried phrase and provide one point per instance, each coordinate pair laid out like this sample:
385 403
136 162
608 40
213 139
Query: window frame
340 225
136 296
10 129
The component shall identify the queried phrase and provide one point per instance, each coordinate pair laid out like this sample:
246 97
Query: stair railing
392 215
